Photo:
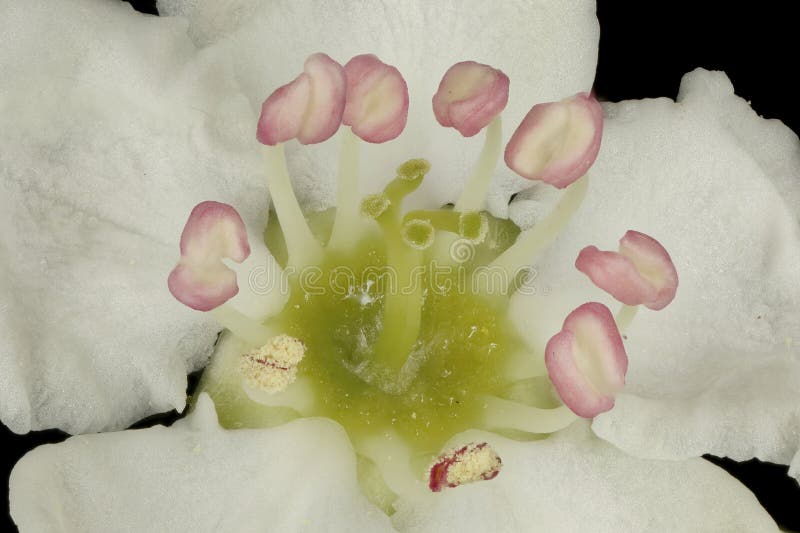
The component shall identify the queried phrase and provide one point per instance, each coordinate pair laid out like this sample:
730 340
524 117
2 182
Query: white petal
112 129
577 482
195 477
548 48
716 371
113 136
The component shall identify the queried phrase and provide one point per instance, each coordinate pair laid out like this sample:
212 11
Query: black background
645 48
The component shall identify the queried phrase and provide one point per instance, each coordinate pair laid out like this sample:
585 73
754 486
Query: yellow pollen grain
473 464
273 367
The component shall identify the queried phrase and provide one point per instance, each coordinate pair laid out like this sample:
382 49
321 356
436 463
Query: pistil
418 233
402 307
470 225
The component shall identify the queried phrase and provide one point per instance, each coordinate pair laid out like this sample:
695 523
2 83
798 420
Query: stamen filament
625 316
532 241
393 459
524 364
298 396
303 248
241 325
346 227
506 414
477 185
250 300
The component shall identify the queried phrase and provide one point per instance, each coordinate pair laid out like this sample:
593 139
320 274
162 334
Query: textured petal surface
112 129
548 48
577 482
195 477
111 136
716 371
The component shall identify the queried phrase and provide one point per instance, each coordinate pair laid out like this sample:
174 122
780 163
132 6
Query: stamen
310 109
586 360
470 96
641 272
377 110
532 241
557 142
273 367
470 463
201 280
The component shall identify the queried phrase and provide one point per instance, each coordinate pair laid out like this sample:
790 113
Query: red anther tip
200 280
309 108
586 360
377 99
557 142
641 273
470 95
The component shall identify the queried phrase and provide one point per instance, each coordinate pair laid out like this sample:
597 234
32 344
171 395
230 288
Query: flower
177 127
